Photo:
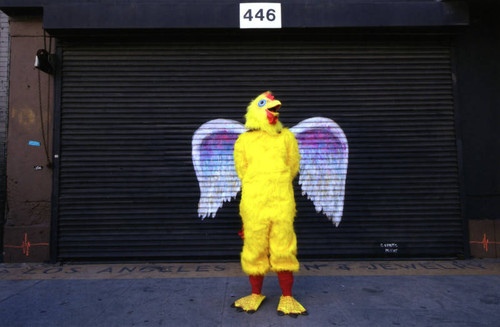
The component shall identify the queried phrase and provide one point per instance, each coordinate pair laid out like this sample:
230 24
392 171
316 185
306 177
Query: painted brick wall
27 218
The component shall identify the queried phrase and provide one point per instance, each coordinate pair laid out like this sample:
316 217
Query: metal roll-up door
129 108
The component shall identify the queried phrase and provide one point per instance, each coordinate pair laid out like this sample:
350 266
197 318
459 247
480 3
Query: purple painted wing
323 164
212 151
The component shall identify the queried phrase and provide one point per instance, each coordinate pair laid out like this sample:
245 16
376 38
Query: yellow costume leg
283 246
254 261
283 257
255 253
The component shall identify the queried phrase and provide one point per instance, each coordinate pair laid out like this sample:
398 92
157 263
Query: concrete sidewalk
443 293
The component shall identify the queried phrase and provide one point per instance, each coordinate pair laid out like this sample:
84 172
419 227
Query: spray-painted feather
213 146
323 164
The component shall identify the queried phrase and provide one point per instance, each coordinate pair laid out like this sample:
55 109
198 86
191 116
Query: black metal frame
460 155
55 152
225 13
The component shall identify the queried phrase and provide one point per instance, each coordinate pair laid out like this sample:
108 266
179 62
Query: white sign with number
260 15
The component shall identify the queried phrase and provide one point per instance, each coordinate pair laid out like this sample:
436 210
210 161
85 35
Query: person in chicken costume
266 158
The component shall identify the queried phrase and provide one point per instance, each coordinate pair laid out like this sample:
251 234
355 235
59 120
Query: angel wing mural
323 165
213 146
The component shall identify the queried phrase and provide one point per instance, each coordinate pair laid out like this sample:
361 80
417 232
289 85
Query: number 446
270 15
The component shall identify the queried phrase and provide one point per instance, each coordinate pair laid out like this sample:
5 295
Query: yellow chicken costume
261 158
267 160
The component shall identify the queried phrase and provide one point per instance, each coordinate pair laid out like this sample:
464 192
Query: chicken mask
262 114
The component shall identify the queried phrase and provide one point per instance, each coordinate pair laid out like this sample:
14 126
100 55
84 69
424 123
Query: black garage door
127 188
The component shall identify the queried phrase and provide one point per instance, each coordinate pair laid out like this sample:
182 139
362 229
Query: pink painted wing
212 153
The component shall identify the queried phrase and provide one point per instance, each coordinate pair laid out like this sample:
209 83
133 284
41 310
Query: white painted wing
323 165
212 152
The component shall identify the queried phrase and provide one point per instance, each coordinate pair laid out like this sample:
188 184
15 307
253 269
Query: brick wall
27 218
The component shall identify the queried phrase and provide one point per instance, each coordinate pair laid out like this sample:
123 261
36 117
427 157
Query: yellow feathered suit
267 160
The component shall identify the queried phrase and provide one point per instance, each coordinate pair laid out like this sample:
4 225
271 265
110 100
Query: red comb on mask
269 96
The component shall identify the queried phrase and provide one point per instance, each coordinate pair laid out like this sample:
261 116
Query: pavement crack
21 291
223 307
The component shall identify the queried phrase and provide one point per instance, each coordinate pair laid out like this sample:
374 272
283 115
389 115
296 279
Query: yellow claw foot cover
289 306
249 303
